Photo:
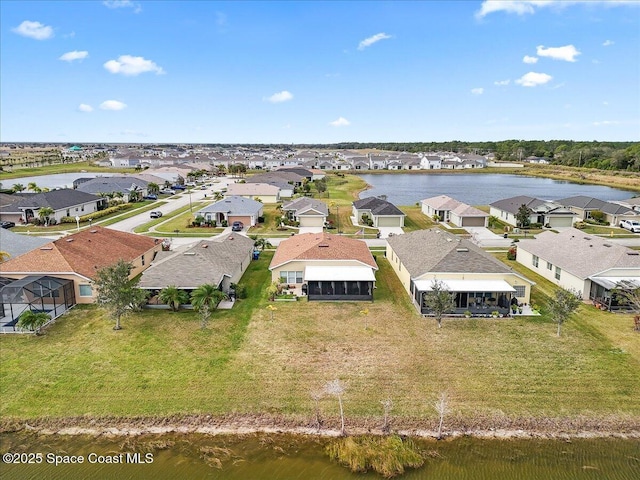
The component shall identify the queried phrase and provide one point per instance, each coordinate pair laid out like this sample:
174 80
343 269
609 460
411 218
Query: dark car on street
151 196
7 224
155 214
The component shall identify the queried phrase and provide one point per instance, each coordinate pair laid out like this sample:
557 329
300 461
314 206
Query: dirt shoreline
497 427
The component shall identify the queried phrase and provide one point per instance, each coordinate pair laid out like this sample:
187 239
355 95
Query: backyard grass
415 219
246 363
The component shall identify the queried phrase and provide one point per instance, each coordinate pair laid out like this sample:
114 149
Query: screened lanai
38 293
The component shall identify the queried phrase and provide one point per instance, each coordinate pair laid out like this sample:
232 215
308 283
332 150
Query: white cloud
528 59
74 55
523 7
605 123
608 43
605 103
568 53
137 8
340 122
132 66
502 83
367 42
283 96
533 79
477 91
83 107
112 105
35 30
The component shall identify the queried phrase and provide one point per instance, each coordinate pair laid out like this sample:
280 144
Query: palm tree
33 321
173 297
33 187
206 298
153 188
44 213
4 255
217 196
17 187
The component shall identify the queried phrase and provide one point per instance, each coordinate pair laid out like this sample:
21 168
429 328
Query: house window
558 272
520 290
291 277
142 259
535 260
85 290
549 266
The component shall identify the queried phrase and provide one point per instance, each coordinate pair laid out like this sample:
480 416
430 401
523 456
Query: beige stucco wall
399 269
567 280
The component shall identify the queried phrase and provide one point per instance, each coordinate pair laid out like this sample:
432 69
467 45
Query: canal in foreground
261 456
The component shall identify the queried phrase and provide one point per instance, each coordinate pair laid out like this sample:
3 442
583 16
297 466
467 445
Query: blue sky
319 72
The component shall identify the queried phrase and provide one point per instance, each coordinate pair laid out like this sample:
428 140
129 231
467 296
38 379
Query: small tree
33 321
44 213
153 188
523 217
365 313
4 256
173 297
336 388
204 299
116 292
442 407
628 292
272 308
316 396
439 300
387 406
562 305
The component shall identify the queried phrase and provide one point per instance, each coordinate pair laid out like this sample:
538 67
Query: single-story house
15 244
69 265
308 211
588 264
451 210
131 188
64 202
253 191
481 283
584 206
233 209
325 267
220 261
379 210
544 212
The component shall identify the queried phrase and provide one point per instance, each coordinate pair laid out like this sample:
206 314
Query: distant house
544 212
481 283
591 265
128 187
584 206
77 257
325 267
308 211
451 210
220 262
64 203
380 211
232 209
263 191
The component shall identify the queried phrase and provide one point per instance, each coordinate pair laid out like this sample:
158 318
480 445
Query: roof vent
587 238
69 239
462 249
189 253
608 245
204 245
633 253
323 245
46 248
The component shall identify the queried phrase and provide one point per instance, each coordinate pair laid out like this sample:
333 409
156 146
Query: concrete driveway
311 230
483 237
385 231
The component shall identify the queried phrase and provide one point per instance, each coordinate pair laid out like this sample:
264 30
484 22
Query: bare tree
336 388
439 300
387 405
442 407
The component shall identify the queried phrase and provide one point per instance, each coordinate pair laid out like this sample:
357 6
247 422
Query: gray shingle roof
112 184
377 206
580 254
15 244
233 205
303 204
435 250
207 262
56 199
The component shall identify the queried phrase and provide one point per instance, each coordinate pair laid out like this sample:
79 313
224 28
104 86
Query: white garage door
389 221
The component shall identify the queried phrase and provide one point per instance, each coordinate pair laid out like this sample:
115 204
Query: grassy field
6 176
246 363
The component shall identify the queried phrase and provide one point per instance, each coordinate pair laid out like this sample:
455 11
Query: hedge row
98 214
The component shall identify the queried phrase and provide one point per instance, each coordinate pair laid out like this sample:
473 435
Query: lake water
56 180
479 189
287 457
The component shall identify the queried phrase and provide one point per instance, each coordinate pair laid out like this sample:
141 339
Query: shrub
388 456
511 254
98 214
224 223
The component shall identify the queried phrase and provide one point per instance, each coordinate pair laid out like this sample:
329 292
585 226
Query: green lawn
163 364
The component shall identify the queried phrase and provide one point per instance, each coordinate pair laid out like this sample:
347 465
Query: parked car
151 196
179 187
167 191
191 184
237 226
155 214
631 225
7 224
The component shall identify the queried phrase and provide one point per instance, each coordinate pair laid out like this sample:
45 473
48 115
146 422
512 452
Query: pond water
56 180
479 189
287 457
